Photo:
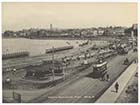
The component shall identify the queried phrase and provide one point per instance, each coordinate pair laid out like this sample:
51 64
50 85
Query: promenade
110 96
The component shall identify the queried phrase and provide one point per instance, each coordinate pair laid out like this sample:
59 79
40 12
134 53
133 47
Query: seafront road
85 86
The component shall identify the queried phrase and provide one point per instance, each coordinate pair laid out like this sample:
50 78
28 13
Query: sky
18 16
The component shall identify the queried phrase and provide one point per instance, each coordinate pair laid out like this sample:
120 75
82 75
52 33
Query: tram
100 68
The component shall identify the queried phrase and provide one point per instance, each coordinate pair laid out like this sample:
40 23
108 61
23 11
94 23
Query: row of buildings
80 33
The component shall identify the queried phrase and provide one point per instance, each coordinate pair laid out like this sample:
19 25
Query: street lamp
16 96
63 64
53 63
66 64
13 72
63 72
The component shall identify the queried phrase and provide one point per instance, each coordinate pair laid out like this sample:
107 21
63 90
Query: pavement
130 92
110 96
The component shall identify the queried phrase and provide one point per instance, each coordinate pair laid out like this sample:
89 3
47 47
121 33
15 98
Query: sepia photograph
69 52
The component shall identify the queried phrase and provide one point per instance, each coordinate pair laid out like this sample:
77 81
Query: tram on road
100 68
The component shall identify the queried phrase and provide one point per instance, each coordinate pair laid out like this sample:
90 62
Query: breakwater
15 55
59 49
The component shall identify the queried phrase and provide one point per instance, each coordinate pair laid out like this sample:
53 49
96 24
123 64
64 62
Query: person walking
107 77
117 87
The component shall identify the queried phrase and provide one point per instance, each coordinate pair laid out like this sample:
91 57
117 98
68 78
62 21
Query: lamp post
13 73
53 62
64 73
16 96
63 63
65 69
